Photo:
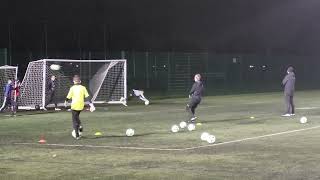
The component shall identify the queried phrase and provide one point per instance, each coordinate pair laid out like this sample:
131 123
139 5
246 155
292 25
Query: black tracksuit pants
192 105
52 99
7 101
76 121
289 104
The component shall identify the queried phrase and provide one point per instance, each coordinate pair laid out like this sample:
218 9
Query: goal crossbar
80 61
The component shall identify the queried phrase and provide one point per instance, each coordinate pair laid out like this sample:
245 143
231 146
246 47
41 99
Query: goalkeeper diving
78 94
139 94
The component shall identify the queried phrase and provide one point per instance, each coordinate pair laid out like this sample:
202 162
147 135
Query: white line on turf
307 108
253 138
102 146
173 149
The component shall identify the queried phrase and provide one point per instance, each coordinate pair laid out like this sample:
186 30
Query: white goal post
6 73
106 80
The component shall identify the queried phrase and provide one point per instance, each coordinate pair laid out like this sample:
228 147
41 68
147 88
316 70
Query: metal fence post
189 69
134 63
147 70
169 71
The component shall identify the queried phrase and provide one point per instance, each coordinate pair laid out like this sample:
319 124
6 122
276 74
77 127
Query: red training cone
42 140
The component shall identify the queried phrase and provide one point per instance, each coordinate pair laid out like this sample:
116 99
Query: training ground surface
264 147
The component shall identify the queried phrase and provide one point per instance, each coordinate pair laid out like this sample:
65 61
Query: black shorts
194 102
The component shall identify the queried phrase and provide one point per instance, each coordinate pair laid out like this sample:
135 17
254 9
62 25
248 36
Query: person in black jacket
51 97
289 86
195 96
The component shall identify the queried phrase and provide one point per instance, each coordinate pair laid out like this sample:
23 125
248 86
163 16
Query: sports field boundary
170 149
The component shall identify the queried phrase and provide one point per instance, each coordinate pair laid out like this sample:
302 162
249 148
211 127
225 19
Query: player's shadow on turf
124 136
244 120
223 120
38 112
25 114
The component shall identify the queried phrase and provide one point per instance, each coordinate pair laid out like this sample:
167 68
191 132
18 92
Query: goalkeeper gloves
92 108
65 104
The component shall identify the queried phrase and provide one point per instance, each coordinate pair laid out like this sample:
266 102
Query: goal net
6 73
105 80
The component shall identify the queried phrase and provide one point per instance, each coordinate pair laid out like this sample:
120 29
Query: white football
183 124
191 127
175 128
303 120
55 67
211 139
204 136
130 132
146 103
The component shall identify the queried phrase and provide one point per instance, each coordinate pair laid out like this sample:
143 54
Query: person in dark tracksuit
51 87
7 100
289 86
15 94
195 96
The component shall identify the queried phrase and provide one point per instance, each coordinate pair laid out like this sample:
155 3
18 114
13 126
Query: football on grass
130 132
191 127
211 139
183 124
303 120
204 136
175 128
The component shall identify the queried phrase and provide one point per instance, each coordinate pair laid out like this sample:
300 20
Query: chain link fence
171 73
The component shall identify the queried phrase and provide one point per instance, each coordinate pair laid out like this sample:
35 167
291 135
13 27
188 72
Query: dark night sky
218 25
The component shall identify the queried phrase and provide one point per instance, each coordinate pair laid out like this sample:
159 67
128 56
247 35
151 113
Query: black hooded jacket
197 90
289 83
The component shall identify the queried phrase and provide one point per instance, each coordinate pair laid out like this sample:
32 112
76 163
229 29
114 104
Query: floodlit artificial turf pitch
156 153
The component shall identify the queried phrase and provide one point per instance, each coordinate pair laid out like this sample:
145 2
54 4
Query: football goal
106 80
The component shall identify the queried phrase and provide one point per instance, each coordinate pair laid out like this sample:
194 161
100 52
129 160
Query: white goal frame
11 67
44 76
13 80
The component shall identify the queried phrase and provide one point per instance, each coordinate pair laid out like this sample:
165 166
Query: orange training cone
42 140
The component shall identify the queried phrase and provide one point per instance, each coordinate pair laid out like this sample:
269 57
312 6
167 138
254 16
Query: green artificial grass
285 156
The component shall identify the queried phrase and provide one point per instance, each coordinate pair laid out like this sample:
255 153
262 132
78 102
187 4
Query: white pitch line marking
173 149
307 108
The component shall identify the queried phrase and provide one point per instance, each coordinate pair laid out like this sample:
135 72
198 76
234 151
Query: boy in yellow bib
78 94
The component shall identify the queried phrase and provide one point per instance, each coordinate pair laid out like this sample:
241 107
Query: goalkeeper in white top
139 94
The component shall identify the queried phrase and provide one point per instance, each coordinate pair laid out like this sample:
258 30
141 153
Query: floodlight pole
10 43
15 84
46 38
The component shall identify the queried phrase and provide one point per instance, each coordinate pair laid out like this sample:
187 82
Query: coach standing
289 86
